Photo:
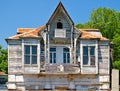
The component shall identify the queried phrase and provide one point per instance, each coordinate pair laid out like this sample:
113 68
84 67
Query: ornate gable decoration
60 8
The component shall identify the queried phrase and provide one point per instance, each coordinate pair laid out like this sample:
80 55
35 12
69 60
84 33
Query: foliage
116 64
3 60
108 22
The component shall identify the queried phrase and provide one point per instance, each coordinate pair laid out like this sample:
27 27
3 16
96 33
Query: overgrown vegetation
3 60
108 21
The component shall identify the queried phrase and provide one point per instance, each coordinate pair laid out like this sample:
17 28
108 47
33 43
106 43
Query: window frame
53 55
59 25
31 55
66 55
89 56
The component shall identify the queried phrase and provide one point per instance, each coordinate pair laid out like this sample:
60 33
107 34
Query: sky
35 13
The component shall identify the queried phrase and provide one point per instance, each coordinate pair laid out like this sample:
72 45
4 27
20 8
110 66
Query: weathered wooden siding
66 25
58 81
62 68
15 58
104 64
103 58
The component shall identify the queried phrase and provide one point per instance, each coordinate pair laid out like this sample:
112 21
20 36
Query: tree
108 22
3 60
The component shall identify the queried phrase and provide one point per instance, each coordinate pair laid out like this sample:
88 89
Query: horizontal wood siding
81 82
64 21
89 70
64 68
31 69
15 58
103 59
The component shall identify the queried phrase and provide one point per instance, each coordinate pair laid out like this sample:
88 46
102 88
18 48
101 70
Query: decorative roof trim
60 5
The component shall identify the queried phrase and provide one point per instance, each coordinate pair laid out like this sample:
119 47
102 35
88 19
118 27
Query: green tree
108 22
3 60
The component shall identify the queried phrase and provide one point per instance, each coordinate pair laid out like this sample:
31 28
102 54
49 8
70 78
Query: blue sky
34 13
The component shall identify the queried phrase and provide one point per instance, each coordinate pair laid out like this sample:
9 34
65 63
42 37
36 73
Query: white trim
81 56
89 43
109 59
37 43
48 44
8 58
62 45
96 55
23 56
38 56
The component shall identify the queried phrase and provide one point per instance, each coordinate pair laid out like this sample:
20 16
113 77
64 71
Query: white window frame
89 56
53 57
30 53
66 54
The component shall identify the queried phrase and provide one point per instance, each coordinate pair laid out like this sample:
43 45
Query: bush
116 65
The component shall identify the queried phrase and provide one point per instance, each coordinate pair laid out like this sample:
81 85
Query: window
52 55
66 55
30 54
89 55
59 25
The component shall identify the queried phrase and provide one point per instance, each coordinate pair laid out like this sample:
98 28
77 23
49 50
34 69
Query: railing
62 68
60 33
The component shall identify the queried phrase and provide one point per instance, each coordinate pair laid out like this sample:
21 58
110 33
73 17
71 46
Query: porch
61 69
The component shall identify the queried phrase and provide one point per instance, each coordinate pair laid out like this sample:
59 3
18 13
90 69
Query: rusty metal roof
86 34
28 32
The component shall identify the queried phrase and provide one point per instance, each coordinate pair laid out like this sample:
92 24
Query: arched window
59 25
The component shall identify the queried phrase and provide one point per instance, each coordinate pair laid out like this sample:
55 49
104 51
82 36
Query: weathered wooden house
58 56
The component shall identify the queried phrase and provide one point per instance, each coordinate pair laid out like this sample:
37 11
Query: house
58 56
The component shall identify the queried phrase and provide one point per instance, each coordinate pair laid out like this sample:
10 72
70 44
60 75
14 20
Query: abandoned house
58 56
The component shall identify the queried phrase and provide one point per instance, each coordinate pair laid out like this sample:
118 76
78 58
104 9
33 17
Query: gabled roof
35 32
60 7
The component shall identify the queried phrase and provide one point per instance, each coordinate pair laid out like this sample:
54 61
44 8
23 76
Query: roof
23 30
2 73
28 32
34 33
87 34
97 30
60 7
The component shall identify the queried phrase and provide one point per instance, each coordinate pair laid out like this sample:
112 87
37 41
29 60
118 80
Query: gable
61 10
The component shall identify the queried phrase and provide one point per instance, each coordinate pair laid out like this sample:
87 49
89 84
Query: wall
14 57
66 25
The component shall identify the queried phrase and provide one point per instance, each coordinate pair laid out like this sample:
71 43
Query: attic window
59 25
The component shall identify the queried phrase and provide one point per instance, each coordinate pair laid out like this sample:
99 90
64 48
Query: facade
58 56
